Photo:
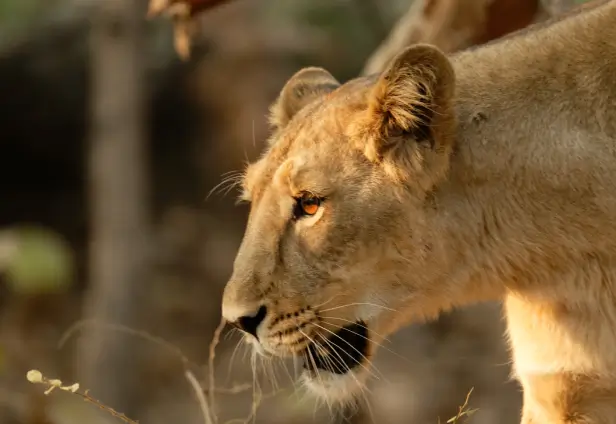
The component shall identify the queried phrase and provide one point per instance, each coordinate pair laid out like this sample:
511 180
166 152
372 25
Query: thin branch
463 411
79 325
184 14
36 377
213 344
205 408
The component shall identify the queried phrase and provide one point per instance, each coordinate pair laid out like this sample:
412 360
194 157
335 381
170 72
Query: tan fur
488 175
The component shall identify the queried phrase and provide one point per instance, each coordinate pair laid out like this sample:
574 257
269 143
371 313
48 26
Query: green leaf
41 261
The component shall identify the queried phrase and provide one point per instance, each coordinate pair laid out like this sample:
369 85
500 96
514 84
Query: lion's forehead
316 136
316 124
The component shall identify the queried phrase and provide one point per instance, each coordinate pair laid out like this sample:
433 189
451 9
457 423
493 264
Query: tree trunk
118 200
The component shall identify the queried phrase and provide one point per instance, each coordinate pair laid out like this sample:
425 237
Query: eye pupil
308 205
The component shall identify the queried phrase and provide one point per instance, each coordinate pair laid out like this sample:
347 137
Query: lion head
338 240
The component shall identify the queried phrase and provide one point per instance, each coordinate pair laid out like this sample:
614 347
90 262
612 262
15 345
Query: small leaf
34 376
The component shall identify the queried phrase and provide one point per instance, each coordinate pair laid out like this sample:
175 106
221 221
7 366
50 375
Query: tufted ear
410 105
302 88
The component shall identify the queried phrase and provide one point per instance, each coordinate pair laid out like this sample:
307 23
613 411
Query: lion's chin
337 369
335 388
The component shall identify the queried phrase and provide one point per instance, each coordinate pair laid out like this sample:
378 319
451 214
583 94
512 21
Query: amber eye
306 205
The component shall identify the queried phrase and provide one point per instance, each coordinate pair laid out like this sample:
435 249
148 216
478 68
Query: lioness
444 181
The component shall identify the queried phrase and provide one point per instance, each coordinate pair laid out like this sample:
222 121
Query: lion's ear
411 102
302 88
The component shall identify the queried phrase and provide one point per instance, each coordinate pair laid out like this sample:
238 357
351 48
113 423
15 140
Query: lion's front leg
567 399
528 419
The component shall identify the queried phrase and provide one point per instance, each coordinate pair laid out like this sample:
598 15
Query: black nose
250 323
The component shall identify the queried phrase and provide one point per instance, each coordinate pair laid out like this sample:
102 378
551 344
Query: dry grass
205 397
36 377
464 411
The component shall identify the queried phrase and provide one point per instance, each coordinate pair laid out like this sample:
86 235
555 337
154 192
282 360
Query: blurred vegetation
35 260
19 17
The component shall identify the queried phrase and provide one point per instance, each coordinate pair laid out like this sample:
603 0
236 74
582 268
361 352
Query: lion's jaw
335 330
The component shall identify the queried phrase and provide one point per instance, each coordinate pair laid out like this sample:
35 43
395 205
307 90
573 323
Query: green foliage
36 260
18 17
17 10
14 14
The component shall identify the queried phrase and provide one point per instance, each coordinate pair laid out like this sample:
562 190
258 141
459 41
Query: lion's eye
306 205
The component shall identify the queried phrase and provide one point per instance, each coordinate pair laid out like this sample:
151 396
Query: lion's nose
250 323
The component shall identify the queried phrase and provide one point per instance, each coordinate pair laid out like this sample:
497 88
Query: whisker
264 369
231 186
334 351
228 173
380 345
361 386
358 324
286 369
317 306
314 363
330 360
247 351
232 180
359 304
352 347
295 366
356 333
232 331
296 378
325 354
274 376
241 342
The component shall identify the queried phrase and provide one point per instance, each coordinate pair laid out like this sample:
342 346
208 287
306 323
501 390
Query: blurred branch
430 21
181 7
452 25
456 24
184 14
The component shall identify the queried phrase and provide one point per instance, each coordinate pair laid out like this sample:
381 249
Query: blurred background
110 145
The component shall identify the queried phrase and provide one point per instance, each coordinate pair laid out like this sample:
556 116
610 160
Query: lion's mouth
340 352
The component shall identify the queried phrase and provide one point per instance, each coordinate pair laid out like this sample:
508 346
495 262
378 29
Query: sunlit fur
488 175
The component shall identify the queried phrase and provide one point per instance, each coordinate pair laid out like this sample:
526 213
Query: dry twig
36 377
213 344
79 325
205 405
463 410
205 408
